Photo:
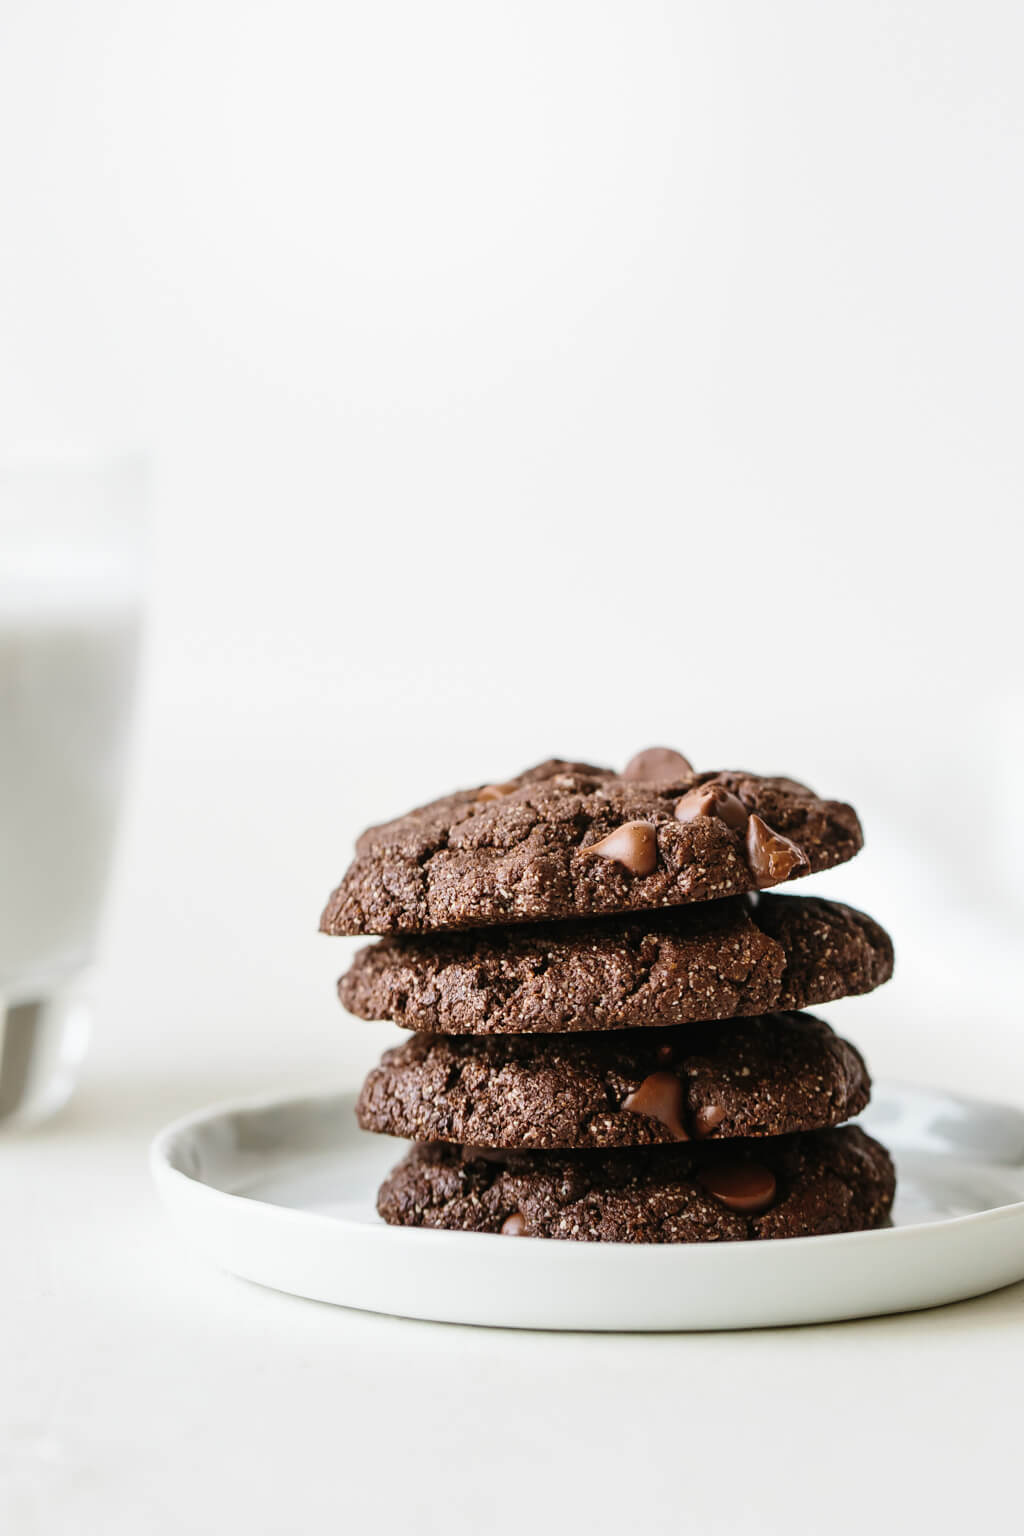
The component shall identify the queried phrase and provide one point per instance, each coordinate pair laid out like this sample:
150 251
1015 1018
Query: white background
520 379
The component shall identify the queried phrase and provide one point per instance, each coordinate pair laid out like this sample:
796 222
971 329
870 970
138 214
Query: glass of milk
71 562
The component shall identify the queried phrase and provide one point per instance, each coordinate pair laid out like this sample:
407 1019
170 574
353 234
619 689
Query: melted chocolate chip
661 1097
793 786
514 1225
495 791
707 1120
712 800
634 845
745 1187
657 763
771 856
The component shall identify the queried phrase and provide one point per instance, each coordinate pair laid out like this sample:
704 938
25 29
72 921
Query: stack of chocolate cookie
607 1045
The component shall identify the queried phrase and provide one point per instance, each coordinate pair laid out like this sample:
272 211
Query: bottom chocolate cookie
787 1186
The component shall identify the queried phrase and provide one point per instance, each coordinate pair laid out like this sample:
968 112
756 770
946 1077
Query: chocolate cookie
569 840
799 1186
715 960
761 1077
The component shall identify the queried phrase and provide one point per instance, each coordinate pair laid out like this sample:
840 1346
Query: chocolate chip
514 1225
792 786
771 856
712 800
744 1187
707 1120
657 763
495 791
634 845
661 1097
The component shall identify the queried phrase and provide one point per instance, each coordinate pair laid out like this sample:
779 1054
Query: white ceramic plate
282 1192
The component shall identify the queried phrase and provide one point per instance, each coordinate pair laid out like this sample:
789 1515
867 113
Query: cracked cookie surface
823 1182
768 1076
713 960
541 846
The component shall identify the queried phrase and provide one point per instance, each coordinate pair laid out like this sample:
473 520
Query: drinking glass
71 581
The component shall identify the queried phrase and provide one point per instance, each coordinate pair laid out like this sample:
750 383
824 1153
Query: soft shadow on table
980 1311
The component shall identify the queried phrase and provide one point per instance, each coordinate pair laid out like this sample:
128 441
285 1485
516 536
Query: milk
71 545
67 667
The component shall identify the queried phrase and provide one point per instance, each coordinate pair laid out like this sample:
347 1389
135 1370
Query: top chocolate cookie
570 840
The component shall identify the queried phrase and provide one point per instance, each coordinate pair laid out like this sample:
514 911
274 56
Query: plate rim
168 1177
